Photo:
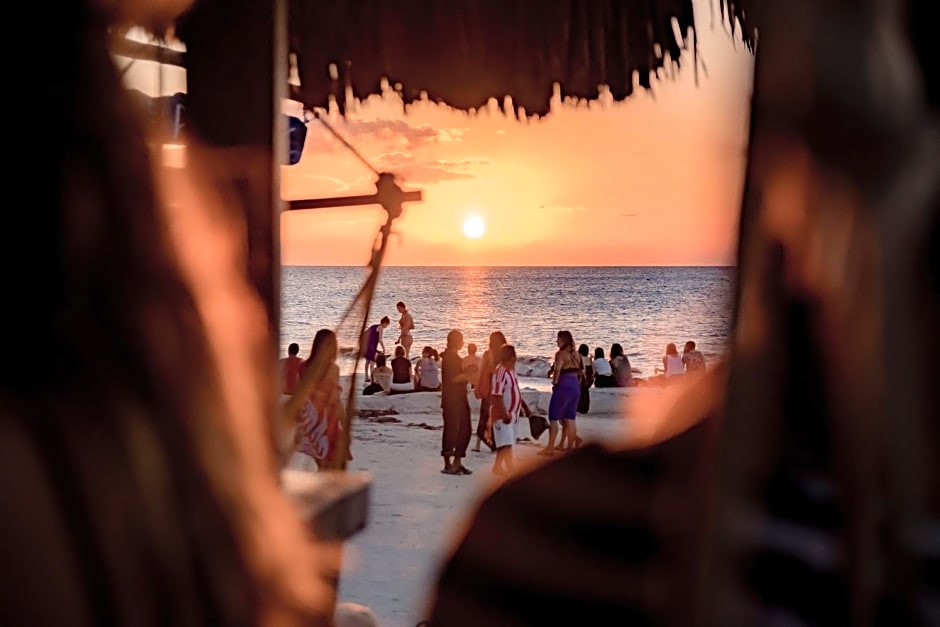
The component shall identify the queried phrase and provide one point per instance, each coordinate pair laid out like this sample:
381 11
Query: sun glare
473 227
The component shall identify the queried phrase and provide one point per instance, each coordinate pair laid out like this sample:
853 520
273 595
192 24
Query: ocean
642 308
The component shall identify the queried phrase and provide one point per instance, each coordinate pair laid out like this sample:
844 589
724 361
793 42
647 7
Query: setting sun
473 227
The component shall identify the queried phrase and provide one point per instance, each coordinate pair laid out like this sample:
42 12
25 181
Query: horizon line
645 265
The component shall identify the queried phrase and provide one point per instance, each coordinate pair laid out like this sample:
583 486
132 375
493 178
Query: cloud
387 135
435 171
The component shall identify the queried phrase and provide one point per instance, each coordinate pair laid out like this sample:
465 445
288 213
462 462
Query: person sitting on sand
603 373
620 365
427 373
672 362
505 405
382 374
401 372
692 358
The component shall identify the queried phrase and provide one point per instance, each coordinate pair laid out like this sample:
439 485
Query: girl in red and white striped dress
505 404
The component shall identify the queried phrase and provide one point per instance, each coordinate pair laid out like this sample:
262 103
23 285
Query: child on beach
290 368
472 363
505 405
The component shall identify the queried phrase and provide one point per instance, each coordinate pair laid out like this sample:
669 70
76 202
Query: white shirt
504 383
602 367
674 365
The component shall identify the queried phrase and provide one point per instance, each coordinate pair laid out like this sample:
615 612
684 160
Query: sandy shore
416 512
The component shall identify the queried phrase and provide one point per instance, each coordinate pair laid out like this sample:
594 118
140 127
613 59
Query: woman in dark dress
482 389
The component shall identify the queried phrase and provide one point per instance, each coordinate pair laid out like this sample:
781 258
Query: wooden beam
349 201
131 49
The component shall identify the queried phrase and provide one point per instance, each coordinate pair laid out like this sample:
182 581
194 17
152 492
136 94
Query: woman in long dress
483 388
320 417
373 341
568 370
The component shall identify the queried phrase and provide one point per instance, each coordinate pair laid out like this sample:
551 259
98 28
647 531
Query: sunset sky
654 180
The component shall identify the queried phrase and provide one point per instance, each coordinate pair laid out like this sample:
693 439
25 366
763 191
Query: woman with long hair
140 482
620 366
484 386
320 418
568 370
603 373
584 401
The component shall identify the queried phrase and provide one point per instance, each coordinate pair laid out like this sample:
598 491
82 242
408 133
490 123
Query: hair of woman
567 338
497 339
324 347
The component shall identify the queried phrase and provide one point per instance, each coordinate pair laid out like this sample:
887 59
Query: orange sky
655 180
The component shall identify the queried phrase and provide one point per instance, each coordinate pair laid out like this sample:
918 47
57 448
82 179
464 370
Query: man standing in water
406 324
455 407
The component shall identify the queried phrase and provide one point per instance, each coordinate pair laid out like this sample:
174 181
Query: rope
314 374
363 302
343 141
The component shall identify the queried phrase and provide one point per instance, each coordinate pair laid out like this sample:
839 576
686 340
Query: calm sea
642 308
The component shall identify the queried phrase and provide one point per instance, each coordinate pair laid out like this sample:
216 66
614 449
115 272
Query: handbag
537 425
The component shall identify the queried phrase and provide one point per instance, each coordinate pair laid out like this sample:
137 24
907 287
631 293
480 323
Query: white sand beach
416 512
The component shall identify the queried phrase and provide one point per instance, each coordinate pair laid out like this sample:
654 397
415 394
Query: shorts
503 434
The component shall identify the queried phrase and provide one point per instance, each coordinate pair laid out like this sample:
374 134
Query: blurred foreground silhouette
808 490
797 486
137 481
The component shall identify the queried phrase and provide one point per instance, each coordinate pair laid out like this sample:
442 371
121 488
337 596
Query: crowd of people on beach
491 378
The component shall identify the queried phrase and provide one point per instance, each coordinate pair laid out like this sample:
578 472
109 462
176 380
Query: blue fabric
296 136
372 343
565 395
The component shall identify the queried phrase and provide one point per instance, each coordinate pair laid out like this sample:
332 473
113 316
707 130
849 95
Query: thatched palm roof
465 52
